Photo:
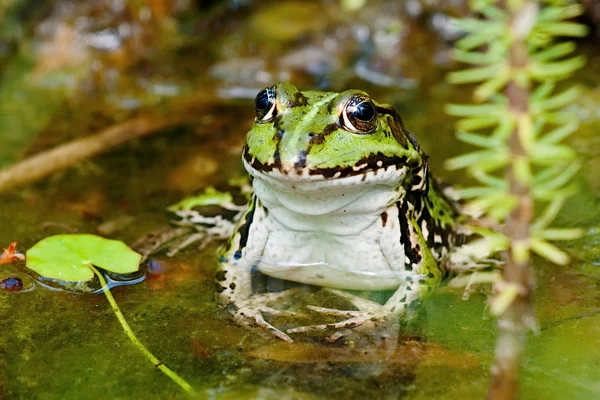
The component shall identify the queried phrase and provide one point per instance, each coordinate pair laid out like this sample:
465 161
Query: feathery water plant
517 126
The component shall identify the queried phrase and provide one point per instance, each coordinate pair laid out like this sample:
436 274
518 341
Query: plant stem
129 332
514 323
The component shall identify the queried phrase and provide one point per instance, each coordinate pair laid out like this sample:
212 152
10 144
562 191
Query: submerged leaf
68 257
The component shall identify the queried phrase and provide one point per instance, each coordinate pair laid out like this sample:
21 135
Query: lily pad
68 257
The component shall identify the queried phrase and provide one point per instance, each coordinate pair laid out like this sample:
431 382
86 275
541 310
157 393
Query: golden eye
360 115
264 105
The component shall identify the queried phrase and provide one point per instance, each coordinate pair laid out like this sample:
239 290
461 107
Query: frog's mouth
376 168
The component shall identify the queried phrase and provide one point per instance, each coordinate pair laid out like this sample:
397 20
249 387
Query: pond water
63 345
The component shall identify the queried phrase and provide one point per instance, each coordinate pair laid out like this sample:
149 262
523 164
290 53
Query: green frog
341 197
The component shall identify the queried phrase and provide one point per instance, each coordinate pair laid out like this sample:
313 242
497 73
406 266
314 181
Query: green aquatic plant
75 258
520 165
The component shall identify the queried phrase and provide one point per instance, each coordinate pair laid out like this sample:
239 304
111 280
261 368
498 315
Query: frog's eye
359 115
264 105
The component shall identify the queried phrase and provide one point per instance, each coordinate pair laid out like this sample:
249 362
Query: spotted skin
343 199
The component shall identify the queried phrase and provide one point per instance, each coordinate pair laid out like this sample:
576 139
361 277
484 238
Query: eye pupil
262 100
264 105
364 111
360 115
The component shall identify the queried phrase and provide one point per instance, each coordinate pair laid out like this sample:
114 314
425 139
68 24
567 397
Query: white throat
344 206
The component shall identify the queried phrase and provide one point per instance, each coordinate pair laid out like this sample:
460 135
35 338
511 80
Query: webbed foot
252 318
249 313
369 316
358 321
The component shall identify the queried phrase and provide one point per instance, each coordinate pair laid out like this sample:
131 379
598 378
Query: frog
341 198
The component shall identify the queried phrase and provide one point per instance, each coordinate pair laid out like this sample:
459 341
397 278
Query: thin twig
63 156
45 163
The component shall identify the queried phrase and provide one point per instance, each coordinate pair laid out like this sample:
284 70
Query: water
60 345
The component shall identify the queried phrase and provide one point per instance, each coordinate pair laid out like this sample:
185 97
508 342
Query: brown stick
514 323
38 166
63 156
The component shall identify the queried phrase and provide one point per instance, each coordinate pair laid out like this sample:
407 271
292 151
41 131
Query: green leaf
477 25
522 170
478 110
481 158
489 180
492 12
505 128
559 117
549 213
560 234
563 29
492 85
477 74
562 178
557 101
545 154
554 13
553 52
68 257
549 251
504 298
474 192
560 133
540 193
555 172
476 57
477 39
542 91
474 123
478 140
498 205
556 70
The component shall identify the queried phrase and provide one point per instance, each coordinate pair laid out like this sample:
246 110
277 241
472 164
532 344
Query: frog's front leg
234 279
406 251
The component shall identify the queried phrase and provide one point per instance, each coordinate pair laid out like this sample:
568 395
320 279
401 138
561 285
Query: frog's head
324 136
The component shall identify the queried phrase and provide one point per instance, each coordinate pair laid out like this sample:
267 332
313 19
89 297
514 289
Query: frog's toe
362 320
276 312
334 312
358 302
253 318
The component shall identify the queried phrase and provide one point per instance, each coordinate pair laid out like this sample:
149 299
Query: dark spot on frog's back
384 218
245 229
220 275
416 180
412 254
300 100
220 288
319 138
